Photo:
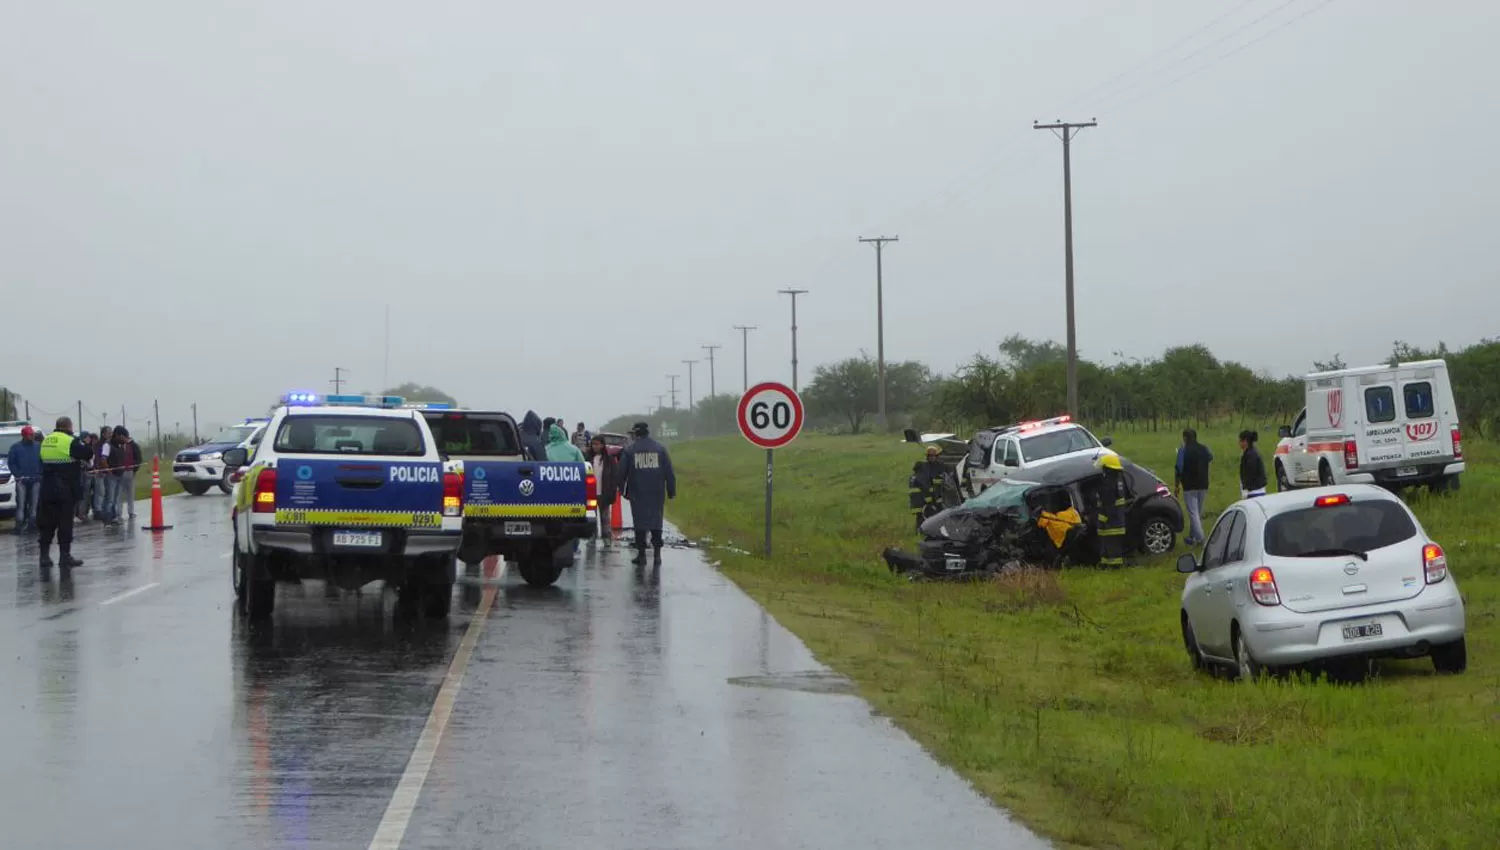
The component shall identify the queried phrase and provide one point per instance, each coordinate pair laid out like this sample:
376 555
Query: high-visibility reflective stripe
524 510
56 448
1111 532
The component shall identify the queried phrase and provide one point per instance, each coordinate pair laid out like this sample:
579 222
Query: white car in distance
1333 575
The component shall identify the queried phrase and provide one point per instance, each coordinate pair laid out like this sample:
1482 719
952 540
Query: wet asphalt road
623 708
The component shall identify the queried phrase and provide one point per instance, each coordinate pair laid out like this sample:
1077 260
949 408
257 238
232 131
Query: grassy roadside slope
1067 698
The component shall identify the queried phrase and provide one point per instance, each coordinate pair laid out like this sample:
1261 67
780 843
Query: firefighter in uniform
925 493
1113 502
62 478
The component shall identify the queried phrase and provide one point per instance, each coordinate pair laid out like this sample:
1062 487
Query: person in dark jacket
531 437
1252 468
606 475
925 488
1193 459
124 460
647 480
1112 503
63 456
86 477
25 462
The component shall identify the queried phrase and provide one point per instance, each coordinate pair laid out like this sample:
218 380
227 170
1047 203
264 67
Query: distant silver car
1320 575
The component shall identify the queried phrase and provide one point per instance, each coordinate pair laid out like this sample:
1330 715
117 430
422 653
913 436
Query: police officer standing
1114 499
63 456
647 480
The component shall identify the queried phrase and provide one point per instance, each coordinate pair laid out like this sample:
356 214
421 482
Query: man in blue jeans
25 461
1193 459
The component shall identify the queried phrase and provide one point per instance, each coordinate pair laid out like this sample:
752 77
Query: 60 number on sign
770 416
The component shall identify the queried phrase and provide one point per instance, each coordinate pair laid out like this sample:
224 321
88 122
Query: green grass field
1067 697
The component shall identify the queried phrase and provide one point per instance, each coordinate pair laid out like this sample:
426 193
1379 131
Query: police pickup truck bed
525 510
348 493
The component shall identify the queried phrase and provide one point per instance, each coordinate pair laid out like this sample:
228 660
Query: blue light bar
342 400
427 405
299 398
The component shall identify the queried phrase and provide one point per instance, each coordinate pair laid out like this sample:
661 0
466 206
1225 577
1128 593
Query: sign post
770 416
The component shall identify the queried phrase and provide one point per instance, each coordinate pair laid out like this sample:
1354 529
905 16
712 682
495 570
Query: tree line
1027 379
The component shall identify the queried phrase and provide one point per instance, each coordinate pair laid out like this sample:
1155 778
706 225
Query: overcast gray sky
560 202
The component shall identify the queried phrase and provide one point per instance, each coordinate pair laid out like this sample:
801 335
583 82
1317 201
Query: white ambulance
1395 426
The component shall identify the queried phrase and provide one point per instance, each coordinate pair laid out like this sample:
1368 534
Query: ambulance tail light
1351 454
1458 445
453 494
265 492
593 492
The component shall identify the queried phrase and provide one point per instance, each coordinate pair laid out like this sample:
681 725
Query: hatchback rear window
1043 446
349 435
463 434
1355 526
1418 398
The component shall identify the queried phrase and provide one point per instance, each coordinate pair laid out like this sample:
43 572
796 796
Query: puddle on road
808 681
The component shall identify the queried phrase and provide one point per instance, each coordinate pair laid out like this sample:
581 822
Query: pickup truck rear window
349 435
1043 446
1355 527
474 435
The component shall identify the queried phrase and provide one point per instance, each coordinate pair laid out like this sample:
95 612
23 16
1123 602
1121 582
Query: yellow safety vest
57 447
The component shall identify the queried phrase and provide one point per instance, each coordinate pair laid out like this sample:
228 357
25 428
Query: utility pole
794 293
673 391
1069 130
28 409
156 411
713 389
195 423
659 398
745 350
79 422
879 243
338 379
122 417
690 364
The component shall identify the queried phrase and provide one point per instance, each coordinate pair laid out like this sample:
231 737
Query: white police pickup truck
348 489
200 468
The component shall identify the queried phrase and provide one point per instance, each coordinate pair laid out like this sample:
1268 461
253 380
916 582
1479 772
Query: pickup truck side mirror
235 458
1284 431
1188 563
1107 442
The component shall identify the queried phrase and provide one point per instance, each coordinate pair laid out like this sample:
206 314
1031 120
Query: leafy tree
412 391
846 389
1024 355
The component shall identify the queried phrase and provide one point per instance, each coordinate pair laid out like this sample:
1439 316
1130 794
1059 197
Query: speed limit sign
770 415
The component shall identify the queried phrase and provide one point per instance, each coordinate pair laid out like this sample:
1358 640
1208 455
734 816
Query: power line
1211 63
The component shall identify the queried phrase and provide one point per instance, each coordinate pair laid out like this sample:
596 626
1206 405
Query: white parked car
1396 426
1325 575
10 434
997 453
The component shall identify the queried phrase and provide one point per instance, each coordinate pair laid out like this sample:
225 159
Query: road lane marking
121 597
403 803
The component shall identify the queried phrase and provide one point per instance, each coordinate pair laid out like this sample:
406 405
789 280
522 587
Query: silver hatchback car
1321 575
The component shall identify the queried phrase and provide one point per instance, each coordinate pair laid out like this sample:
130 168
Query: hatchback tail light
1263 586
1458 445
593 492
453 490
1434 563
1351 454
265 492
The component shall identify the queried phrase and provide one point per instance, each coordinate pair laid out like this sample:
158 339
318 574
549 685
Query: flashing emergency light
427 405
342 400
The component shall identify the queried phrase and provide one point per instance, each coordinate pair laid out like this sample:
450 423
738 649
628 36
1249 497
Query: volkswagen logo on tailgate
1351 568
527 487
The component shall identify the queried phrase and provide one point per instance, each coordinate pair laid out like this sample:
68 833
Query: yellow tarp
1057 524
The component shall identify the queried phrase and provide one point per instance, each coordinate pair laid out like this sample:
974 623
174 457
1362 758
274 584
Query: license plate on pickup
955 565
518 529
358 539
1363 630
1406 471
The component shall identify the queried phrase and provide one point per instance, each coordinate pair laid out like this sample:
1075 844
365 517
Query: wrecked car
1042 516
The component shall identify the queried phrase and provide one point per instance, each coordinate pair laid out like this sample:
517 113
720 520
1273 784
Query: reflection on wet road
622 708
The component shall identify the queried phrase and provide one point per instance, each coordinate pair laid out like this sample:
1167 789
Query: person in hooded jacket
532 441
559 448
606 473
647 480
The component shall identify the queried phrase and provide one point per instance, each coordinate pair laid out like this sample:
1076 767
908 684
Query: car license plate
519 529
357 538
1363 630
1406 471
955 565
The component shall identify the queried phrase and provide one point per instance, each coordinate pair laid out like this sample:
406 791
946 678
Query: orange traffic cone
158 518
616 514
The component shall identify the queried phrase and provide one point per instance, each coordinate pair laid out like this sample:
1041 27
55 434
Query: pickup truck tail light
593 492
1263 586
453 491
1434 563
265 492
1458 445
1351 454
